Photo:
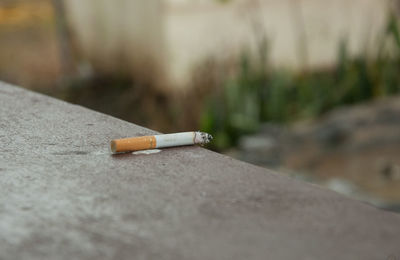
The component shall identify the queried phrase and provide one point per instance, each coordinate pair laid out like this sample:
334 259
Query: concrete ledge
63 196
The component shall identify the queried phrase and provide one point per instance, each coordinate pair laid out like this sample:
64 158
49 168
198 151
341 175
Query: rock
358 145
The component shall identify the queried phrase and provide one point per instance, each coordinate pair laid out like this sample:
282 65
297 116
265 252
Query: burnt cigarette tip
208 138
205 137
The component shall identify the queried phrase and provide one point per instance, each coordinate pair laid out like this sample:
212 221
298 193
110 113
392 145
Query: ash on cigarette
202 138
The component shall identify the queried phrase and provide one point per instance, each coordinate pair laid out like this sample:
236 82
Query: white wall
162 41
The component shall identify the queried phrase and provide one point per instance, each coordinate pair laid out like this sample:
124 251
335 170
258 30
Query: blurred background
306 87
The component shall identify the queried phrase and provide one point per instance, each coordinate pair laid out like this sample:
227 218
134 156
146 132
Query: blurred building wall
121 36
163 41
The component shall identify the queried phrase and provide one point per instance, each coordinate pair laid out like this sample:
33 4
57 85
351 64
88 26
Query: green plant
258 94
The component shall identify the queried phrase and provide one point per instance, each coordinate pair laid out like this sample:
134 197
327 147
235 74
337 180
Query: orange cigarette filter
133 144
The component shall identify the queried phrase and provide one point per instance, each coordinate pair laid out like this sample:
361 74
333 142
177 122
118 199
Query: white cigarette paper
179 139
159 141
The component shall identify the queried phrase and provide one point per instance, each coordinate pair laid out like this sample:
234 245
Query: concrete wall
164 41
118 36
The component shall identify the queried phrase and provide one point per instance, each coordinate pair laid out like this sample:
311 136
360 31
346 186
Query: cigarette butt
158 141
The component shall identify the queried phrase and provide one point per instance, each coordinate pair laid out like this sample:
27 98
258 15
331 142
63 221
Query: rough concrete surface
63 196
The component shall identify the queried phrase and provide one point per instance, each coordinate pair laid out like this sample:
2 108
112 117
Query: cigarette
158 141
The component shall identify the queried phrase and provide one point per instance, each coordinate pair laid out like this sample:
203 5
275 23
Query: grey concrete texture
63 196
